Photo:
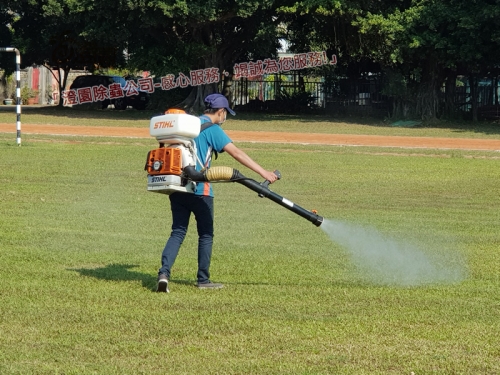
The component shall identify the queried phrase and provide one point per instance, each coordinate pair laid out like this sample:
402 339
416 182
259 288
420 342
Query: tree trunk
227 88
473 82
62 84
495 90
3 82
427 107
194 103
450 89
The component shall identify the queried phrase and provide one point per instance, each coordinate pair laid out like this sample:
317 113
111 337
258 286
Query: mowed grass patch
328 123
81 239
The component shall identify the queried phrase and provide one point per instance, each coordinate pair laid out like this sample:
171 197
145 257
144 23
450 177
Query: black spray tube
230 174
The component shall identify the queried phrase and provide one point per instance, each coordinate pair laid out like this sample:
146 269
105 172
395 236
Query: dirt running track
274 137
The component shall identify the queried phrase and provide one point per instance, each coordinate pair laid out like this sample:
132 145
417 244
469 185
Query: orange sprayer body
165 160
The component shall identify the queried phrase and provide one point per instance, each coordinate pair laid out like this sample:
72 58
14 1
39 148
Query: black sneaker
210 285
162 284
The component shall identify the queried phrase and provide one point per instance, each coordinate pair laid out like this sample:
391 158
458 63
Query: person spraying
211 140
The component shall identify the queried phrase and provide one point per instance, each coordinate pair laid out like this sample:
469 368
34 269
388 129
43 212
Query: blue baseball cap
218 101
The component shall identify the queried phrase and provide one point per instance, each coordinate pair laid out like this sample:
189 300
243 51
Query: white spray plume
388 261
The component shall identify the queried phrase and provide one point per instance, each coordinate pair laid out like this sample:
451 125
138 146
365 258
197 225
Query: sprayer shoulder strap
205 126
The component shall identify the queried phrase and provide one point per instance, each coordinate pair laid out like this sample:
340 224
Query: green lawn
326 123
81 238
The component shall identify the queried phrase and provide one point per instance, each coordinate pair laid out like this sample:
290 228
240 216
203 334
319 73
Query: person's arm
248 162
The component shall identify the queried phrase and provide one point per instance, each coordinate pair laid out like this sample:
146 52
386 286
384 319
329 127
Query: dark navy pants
182 205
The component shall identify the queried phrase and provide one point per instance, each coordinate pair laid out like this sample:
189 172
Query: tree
56 35
198 35
420 43
7 60
436 40
6 19
159 36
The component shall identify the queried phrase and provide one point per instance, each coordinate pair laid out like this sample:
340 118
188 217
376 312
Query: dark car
137 101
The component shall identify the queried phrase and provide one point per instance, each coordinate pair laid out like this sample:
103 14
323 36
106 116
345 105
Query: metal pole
18 89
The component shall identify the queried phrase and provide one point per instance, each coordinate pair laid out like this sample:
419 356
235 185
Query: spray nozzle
266 183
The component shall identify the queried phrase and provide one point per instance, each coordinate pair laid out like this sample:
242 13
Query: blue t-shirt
210 139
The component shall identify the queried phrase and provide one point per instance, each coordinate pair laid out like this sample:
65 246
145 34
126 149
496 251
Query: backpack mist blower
172 167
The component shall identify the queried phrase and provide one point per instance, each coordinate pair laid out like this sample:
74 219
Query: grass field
327 123
81 238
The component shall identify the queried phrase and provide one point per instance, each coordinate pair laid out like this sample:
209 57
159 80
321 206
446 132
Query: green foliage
27 93
431 37
57 34
396 85
7 60
293 102
10 86
437 39
162 100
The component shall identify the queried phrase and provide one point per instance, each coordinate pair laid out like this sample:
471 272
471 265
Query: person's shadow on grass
120 272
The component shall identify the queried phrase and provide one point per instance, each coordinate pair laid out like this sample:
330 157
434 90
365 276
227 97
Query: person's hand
269 176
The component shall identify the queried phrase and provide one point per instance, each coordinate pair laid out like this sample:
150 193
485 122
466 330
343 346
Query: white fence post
18 89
